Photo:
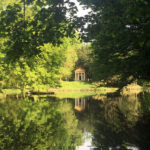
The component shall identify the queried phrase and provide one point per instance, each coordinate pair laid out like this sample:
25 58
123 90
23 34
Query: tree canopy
45 68
29 24
120 34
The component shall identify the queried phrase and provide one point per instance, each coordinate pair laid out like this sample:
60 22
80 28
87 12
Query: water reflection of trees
118 122
122 108
42 125
86 116
116 118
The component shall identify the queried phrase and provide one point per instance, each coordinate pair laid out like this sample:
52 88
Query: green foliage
45 68
120 34
73 45
33 50
35 44
11 91
4 4
28 25
31 41
85 60
38 70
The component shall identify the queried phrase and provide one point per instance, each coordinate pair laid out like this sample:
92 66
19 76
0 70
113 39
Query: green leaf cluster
27 25
119 31
73 46
45 68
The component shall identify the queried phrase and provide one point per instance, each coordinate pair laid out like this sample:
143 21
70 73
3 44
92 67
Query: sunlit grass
83 86
76 85
11 91
78 89
70 89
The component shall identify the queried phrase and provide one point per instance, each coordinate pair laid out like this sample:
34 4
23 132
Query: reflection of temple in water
80 104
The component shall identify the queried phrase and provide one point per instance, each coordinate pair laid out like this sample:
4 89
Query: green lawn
78 89
11 91
70 89
76 85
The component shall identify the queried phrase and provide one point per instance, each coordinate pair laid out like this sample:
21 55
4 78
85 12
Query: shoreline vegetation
73 89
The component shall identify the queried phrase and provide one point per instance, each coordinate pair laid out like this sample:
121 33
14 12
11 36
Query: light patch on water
128 148
87 145
132 147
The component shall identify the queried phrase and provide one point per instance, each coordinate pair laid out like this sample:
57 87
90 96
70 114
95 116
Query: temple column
84 76
75 77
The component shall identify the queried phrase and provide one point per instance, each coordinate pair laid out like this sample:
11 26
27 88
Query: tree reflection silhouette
118 122
26 125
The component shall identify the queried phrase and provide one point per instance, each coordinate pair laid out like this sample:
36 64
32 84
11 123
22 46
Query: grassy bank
11 91
5 92
73 89
78 89
76 85
70 88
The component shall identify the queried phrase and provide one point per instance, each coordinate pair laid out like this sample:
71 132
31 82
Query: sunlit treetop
28 24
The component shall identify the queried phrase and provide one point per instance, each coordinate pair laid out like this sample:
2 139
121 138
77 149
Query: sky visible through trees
81 11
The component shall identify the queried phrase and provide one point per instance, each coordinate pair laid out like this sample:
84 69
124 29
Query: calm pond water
90 123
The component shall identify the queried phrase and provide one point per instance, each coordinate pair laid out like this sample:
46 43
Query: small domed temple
80 74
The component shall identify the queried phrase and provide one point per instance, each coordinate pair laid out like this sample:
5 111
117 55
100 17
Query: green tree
120 34
85 60
42 69
72 46
45 22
